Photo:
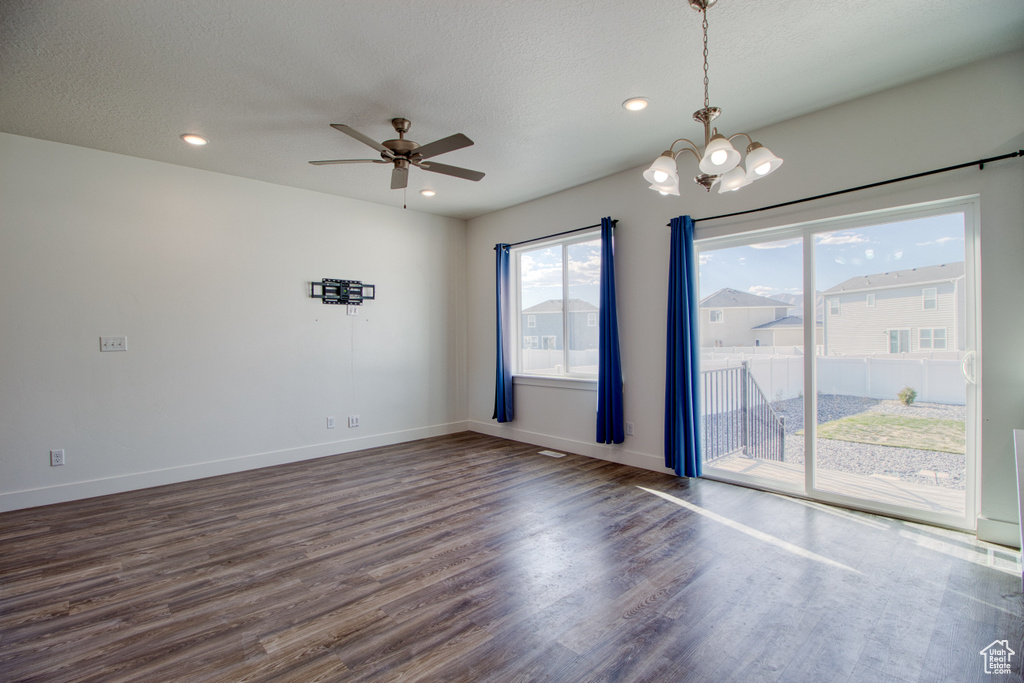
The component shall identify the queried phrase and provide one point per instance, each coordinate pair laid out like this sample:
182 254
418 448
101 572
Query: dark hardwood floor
471 558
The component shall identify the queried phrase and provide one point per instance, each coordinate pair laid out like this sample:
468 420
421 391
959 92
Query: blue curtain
503 381
682 378
609 370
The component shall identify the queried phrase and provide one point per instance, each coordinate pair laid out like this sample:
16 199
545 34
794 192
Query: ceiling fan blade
362 138
399 178
324 162
456 171
448 144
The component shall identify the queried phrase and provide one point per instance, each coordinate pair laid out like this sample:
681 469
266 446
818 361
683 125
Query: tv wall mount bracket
342 292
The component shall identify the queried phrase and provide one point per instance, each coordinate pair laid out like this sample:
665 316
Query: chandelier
719 162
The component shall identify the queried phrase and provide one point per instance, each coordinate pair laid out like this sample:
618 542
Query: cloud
760 290
942 241
842 238
585 272
534 273
781 244
705 258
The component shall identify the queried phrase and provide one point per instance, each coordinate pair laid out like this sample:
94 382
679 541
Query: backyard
921 443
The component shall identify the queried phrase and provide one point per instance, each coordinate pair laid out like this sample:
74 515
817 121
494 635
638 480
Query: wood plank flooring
472 558
888 490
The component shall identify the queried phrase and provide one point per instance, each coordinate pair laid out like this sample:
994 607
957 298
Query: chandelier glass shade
719 163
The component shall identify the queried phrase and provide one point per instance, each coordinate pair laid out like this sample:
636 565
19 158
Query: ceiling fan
404 153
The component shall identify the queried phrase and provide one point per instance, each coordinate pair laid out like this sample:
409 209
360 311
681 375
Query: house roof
790 321
555 306
733 298
899 278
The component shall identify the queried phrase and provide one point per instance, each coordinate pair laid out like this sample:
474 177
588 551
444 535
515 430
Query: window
833 305
558 292
934 338
930 298
716 315
870 299
899 341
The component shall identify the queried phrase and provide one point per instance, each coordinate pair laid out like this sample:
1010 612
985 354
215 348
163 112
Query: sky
541 273
772 268
768 268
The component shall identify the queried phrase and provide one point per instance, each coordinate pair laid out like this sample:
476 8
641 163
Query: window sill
579 383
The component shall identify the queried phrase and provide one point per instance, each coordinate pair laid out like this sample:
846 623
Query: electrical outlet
629 429
113 343
57 457
330 423
353 420
353 310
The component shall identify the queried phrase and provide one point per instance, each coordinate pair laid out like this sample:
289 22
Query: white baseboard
998 531
609 452
17 500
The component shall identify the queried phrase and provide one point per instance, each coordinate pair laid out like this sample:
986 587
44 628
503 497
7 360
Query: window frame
934 298
807 227
897 330
834 307
711 315
869 299
569 378
932 338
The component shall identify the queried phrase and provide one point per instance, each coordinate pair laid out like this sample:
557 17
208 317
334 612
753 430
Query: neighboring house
542 325
786 331
903 311
729 317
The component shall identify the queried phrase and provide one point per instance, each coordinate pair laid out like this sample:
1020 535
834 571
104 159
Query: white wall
962 115
230 365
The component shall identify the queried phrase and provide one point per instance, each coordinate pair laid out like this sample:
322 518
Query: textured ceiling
537 84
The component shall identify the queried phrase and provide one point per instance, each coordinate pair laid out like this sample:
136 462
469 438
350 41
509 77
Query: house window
870 300
934 338
716 315
558 297
899 341
930 298
833 305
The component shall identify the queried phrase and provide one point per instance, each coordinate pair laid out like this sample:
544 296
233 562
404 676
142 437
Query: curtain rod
980 163
559 234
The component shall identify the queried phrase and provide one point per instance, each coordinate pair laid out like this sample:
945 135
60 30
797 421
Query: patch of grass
882 429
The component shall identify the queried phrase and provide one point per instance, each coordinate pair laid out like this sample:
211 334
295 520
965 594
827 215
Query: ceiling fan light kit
719 163
402 153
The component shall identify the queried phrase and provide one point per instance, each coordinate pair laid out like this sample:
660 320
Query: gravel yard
936 468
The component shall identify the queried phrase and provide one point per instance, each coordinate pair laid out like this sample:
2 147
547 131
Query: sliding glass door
889 360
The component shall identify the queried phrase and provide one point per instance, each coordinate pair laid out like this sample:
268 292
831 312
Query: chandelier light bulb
761 161
720 156
663 170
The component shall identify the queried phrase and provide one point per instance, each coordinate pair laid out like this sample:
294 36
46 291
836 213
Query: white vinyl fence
936 380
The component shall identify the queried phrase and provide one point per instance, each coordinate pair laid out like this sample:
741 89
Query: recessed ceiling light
427 193
635 103
193 139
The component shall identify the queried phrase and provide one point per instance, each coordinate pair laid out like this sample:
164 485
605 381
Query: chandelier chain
705 26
